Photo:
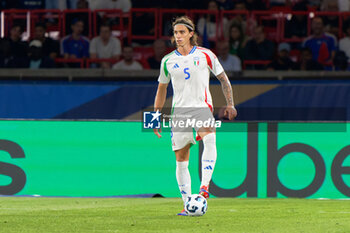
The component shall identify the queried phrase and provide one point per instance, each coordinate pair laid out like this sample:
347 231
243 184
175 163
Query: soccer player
188 67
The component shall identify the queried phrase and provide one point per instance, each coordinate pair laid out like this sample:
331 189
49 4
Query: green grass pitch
19 214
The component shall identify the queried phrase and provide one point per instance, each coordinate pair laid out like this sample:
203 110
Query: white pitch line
339 212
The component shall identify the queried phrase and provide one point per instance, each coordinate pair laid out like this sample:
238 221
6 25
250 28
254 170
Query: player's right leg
182 173
182 140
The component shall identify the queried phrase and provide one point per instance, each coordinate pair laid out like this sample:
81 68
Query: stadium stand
140 27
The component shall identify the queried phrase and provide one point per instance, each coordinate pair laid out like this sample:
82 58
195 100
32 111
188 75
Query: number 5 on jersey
186 72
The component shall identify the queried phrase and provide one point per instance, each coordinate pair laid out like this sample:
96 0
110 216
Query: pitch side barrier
256 159
71 74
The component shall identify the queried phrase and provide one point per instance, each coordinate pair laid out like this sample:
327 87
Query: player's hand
230 112
157 132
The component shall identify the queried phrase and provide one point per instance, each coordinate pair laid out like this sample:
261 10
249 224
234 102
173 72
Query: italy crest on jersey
196 61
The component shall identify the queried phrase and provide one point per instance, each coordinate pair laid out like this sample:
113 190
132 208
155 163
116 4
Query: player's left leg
208 158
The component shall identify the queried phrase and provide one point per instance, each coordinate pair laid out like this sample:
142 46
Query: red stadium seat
288 16
294 55
79 62
137 14
144 64
90 61
281 8
165 19
323 14
143 53
345 16
196 15
11 17
230 16
271 21
84 14
255 62
114 17
126 23
52 19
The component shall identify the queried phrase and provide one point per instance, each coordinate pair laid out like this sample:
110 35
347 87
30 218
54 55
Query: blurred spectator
331 22
255 5
247 24
5 54
344 43
280 3
13 50
282 61
229 62
82 4
340 61
75 45
36 57
159 48
240 5
314 3
83 16
225 4
50 47
61 4
32 4
18 47
178 4
259 48
9 4
153 3
296 27
124 5
105 45
323 45
238 19
128 63
207 26
306 61
237 40
344 5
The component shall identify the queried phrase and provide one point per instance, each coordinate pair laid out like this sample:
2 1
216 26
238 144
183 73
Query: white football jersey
190 76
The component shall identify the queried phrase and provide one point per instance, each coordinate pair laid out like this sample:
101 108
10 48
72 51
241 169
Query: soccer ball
196 205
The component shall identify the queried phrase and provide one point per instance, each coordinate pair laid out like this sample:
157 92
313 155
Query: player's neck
185 50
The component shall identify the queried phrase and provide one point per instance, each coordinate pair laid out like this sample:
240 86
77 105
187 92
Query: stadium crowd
283 35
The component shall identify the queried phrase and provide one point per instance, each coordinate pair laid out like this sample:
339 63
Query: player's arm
230 111
159 102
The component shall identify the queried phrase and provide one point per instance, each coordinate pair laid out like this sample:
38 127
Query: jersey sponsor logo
176 66
183 192
196 61
188 74
151 120
208 167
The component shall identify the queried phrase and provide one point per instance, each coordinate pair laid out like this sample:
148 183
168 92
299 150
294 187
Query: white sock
183 179
208 158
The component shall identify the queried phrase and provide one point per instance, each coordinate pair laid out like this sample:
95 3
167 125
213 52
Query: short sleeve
86 49
214 64
334 43
117 47
212 61
65 47
217 67
164 76
93 46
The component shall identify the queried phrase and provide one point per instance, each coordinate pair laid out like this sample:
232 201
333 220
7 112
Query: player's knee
206 131
209 139
182 164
